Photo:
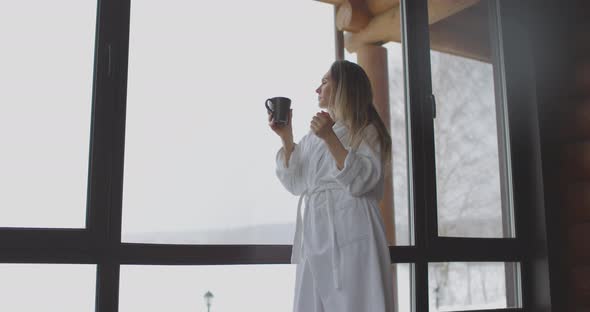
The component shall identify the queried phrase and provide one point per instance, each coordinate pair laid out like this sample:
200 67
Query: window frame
430 246
100 242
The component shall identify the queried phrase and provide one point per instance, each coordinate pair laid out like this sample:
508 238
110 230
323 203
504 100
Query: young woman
338 168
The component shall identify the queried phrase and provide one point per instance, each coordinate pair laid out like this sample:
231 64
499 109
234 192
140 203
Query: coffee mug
279 107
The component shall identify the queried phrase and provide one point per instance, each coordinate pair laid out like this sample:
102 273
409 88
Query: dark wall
560 37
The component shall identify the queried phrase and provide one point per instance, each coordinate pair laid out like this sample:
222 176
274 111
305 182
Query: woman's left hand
321 125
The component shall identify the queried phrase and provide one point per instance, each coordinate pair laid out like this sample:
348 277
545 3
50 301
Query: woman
340 246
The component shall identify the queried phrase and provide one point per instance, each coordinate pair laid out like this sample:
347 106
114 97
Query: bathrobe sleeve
292 177
362 171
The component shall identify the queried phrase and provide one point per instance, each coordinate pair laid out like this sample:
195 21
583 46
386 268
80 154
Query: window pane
47 287
397 106
46 76
403 292
234 288
199 155
469 163
459 286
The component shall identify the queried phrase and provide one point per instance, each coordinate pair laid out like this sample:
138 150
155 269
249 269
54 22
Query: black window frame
429 246
100 242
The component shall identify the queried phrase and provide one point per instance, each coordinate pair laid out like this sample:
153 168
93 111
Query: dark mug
279 107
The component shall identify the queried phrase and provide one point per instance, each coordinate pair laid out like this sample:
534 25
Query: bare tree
467 167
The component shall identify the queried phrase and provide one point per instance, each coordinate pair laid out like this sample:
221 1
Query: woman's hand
283 131
286 134
321 125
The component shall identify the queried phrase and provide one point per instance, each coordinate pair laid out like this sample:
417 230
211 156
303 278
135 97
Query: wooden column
576 181
373 59
352 15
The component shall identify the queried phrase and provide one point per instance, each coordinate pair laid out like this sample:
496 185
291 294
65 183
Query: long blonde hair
352 103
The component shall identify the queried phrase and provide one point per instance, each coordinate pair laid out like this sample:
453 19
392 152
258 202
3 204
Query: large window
46 78
470 133
199 156
473 180
149 183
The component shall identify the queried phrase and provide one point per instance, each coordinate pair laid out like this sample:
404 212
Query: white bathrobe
340 247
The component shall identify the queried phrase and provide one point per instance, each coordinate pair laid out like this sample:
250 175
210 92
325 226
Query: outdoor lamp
208 297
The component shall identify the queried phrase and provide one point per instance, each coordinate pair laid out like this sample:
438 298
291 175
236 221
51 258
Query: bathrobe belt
298 241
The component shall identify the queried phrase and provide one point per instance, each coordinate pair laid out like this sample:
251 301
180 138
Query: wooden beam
352 15
468 44
441 9
464 34
377 7
386 26
336 2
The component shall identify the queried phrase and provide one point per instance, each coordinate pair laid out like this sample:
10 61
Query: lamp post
208 297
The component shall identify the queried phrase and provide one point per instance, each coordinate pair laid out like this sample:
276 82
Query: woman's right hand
283 131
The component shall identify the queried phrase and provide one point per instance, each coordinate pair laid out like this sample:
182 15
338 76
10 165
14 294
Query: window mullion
107 145
99 175
421 148
107 286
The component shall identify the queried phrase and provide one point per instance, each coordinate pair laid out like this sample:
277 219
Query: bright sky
46 66
199 153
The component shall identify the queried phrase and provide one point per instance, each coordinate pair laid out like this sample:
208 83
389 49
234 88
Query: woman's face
324 91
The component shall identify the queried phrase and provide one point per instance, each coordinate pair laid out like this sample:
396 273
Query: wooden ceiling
458 27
